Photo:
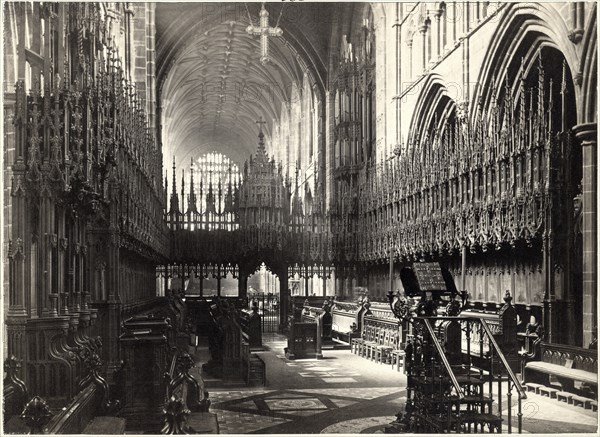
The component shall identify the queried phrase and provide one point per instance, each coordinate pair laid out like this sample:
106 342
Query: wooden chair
371 345
369 341
357 344
367 337
383 351
397 355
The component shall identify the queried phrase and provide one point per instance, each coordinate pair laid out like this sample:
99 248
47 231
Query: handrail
512 376
442 355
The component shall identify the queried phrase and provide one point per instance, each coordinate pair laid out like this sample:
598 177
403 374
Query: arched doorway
272 293
263 290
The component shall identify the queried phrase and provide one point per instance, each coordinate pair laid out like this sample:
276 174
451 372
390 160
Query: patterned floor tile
303 413
295 404
331 395
243 423
357 393
358 426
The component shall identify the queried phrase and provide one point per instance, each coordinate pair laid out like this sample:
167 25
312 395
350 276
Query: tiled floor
346 394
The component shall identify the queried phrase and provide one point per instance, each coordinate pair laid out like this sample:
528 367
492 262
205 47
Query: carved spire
166 187
201 193
182 189
229 196
541 95
261 153
210 197
522 120
219 194
297 202
174 198
192 196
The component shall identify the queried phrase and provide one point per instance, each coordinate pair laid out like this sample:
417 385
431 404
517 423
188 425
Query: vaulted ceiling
212 85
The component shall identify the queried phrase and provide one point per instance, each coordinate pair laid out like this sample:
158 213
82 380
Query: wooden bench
548 391
563 396
567 364
532 387
253 367
345 322
250 323
302 341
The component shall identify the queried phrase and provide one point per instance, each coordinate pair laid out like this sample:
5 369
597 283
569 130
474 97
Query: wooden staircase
446 392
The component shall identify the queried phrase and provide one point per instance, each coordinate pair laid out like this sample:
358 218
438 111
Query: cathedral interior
296 217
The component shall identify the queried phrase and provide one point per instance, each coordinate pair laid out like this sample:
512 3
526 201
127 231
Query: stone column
587 134
438 34
423 30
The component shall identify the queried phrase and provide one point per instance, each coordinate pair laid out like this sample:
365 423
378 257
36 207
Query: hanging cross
265 32
260 122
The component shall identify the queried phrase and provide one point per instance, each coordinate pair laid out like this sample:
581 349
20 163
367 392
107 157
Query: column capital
586 132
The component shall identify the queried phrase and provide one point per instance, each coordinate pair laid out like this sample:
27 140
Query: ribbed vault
212 85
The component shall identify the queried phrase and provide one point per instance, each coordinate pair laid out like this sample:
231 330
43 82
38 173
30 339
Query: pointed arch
533 26
434 102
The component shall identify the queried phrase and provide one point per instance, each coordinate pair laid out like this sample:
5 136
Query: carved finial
174 177
563 94
185 362
11 364
182 190
36 415
175 417
192 195
507 298
11 367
